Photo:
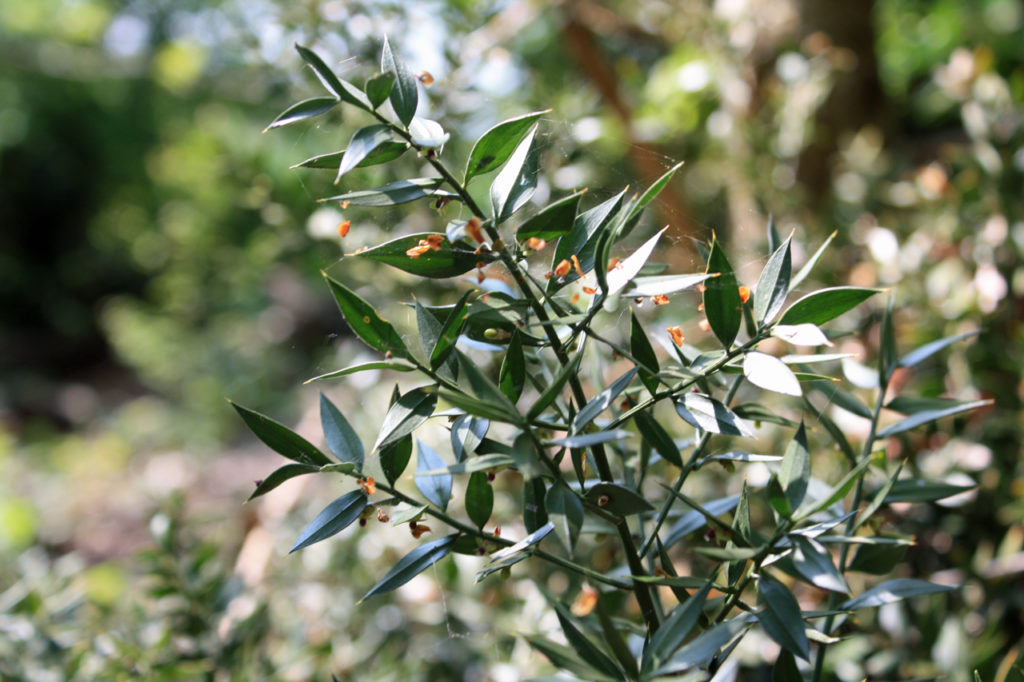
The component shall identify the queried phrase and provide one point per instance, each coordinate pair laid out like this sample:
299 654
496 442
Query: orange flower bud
344 204
497 532
435 241
700 307
614 263
701 288
677 335
576 265
419 530
473 230
660 299
382 515
536 244
562 269
590 291
343 227
585 601
744 293
425 77
368 485
575 298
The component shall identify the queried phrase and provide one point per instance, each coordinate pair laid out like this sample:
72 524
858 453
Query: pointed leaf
912 404
467 433
396 365
373 330
378 88
516 182
336 517
387 151
641 350
448 260
826 304
565 510
770 373
554 389
586 440
796 469
588 652
394 458
487 391
534 515
338 87
814 563
653 191
741 519
279 476
781 618
893 591
340 437
551 222
363 142
694 520
773 285
722 303
619 276
657 437
673 632
877 559
916 356
617 499
707 414
449 333
581 240
704 647
404 95
918 490
496 145
602 401
797 279
841 398
921 418
436 487
801 334
524 544
777 497
838 492
512 376
304 110
887 360
280 438
785 668
561 656
400 192
405 416
412 564
656 285
479 499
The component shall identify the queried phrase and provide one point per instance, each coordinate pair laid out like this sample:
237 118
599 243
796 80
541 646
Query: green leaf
796 468
478 463
887 345
407 515
467 433
405 416
470 404
512 376
797 279
304 110
916 356
449 333
449 260
534 515
517 181
741 456
280 438
694 520
394 193
773 285
656 285
555 387
618 499
814 563
581 240
412 564
436 487
479 499
562 656
336 517
729 553
878 499
553 221
602 401
371 328
387 151
912 404
707 414
280 475
785 668
363 142
588 652
722 303
340 437
741 519
586 440
845 400
394 458
652 192
703 648
397 365
826 304
338 87
759 413
496 145
921 418
404 95
487 391
640 348
877 559
565 510
838 492
781 618
617 643
378 88
618 277
657 437
770 373
893 591
918 490
524 544
777 497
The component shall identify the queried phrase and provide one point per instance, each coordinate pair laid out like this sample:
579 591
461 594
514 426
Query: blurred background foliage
157 255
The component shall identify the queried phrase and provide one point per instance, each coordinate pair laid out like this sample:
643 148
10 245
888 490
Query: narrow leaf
796 468
280 438
654 190
657 437
617 499
436 487
373 330
479 499
893 591
781 618
585 440
554 389
516 182
512 376
400 192
301 111
673 632
405 416
794 284
338 87
378 88
656 285
694 520
801 334
565 511
826 304
602 401
396 365
496 145
707 414
581 240
773 285
553 221
619 276
641 350
340 437
336 517
704 647
467 434
814 563
394 458
722 303
449 333
404 95
916 356
487 391
524 544
877 559
921 418
841 398
412 564
446 260
388 151
279 476
770 373
588 652
918 490
363 142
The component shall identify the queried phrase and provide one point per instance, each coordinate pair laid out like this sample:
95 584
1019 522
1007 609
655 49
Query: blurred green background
157 255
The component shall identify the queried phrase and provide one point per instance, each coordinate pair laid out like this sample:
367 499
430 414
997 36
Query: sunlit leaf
773 285
449 332
617 499
496 145
363 142
412 564
656 285
553 221
404 95
814 563
928 416
304 110
338 87
770 373
565 511
826 304
918 490
893 591
796 468
467 433
585 440
517 181
602 401
448 260
581 240
801 334
336 517
280 475
387 151
378 88
400 192
410 411
799 277
918 355
619 276
707 414
722 303
371 328
396 365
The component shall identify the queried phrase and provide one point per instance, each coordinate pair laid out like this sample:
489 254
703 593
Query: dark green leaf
777 497
496 145
826 304
785 668
838 492
588 652
917 490
887 345
486 390
512 376
797 279
796 468
641 350
916 356
602 401
773 285
378 88
707 414
879 498
306 109
470 404
467 433
893 591
517 181
581 240
340 437
400 192
657 437
921 418
617 499
280 438
565 510
428 327
841 398
759 413
877 559
553 221
405 416
281 475
722 303
449 260
616 642
479 499
373 330
412 564
449 333
388 151
404 95
704 647
770 373
912 404
694 520
741 519
394 458
336 517
781 618
814 563
652 192
534 515
397 365
363 142
338 87
586 440
562 656
555 387
436 487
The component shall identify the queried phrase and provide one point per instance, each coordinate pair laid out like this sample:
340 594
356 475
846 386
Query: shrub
553 382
